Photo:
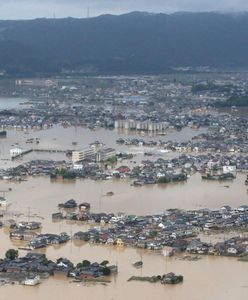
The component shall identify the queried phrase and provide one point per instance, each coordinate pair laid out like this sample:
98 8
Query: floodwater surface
211 278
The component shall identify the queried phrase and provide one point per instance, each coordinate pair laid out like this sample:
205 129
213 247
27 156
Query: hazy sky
29 9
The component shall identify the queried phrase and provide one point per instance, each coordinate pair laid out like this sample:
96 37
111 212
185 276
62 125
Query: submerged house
84 207
70 204
120 243
167 251
3 202
22 235
32 280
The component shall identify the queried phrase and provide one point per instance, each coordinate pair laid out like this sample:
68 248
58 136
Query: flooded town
111 186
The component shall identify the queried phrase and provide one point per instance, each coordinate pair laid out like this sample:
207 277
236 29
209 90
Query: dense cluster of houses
43 240
36 241
150 171
95 106
179 168
32 168
214 166
173 231
217 140
29 269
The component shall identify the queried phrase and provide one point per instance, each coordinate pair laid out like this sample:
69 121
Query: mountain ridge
137 42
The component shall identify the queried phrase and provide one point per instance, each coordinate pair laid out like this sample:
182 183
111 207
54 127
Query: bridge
37 150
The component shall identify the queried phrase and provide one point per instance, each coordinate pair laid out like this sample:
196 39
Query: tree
163 179
86 263
11 254
45 261
104 263
153 233
106 271
79 266
86 238
112 159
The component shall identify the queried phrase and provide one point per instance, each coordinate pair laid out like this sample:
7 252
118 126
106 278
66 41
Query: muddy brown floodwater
209 278
43 195
60 138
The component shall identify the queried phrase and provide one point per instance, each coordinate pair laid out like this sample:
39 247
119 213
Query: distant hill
129 43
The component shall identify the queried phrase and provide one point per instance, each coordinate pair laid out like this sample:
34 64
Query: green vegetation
64 173
163 179
153 234
106 271
41 46
12 254
152 279
79 265
70 175
239 101
46 261
86 238
86 263
170 278
3 133
61 171
243 258
176 279
83 264
209 86
112 159
104 263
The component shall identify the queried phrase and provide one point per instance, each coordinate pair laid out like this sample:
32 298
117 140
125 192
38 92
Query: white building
77 166
141 125
3 202
229 169
84 154
95 153
32 280
15 151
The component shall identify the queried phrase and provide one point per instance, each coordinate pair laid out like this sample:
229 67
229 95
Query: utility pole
100 201
28 213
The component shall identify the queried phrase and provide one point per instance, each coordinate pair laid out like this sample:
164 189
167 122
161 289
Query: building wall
138 125
83 154
105 154
15 151
101 154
